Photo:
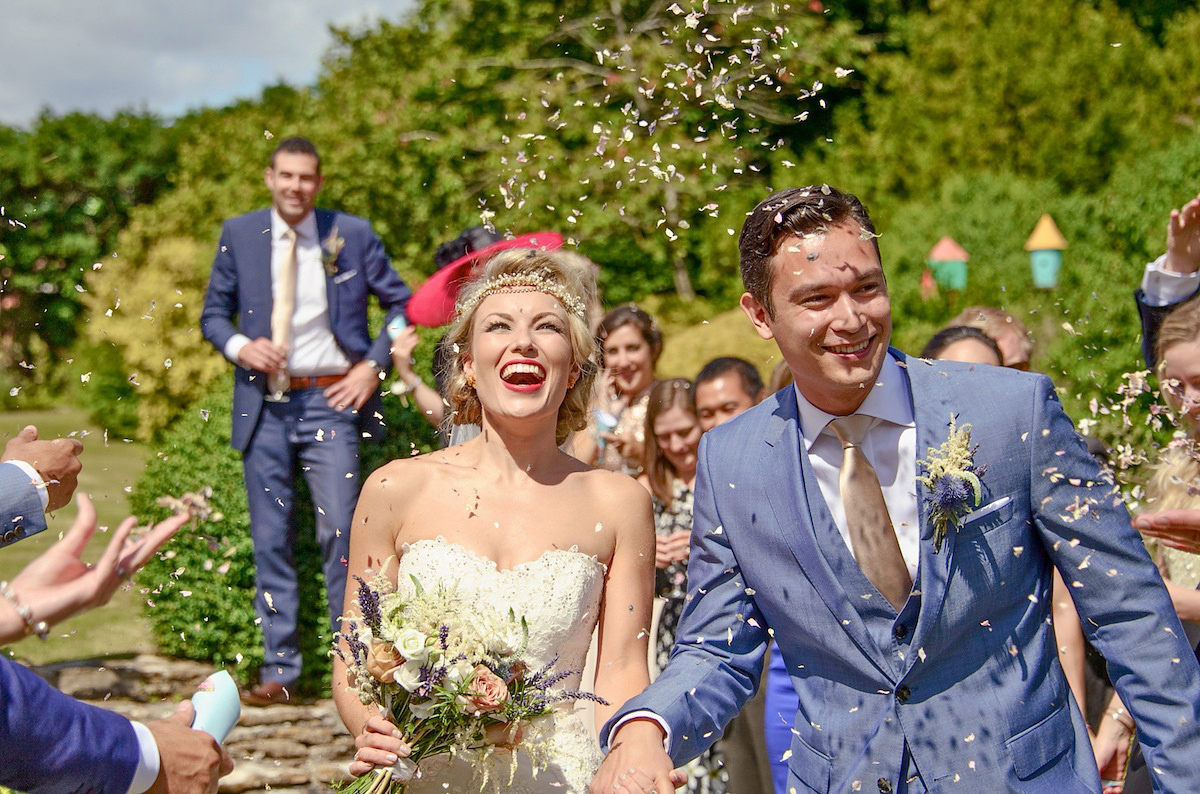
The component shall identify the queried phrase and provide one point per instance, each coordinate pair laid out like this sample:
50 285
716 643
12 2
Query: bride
516 522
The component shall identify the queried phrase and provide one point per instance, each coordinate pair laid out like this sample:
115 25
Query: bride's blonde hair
528 270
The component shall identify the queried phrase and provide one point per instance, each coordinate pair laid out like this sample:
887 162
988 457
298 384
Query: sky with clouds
163 56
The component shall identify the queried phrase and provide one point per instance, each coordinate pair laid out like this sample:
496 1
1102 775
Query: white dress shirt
1164 287
890 445
314 350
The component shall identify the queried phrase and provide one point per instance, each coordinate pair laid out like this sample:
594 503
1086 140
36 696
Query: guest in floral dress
672 439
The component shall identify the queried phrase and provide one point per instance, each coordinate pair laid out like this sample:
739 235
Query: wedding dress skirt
559 595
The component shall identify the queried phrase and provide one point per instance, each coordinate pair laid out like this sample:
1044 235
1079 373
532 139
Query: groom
920 666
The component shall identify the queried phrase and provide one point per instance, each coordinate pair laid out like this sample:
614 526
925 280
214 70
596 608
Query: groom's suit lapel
803 518
933 405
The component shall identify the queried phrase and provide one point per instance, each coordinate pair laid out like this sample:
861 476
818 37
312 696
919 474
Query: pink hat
433 302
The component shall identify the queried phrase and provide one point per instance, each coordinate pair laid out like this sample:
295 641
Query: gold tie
867 520
282 310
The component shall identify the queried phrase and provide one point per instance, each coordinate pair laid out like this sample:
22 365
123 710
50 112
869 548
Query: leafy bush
201 589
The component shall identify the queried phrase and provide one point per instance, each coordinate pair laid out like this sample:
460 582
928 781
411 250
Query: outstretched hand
1178 529
1183 238
636 763
59 583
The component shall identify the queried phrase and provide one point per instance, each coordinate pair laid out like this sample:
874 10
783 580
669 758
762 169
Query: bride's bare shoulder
414 472
617 491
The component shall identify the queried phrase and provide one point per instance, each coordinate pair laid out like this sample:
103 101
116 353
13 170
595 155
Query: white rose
458 672
508 640
421 709
408 675
411 645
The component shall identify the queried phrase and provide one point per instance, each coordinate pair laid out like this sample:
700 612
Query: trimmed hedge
200 590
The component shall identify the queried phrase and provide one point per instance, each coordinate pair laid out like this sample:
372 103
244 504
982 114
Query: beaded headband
536 281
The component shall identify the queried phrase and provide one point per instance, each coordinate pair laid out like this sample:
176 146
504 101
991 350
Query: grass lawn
110 466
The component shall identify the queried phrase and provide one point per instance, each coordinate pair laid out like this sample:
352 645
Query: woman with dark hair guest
631 343
963 343
672 432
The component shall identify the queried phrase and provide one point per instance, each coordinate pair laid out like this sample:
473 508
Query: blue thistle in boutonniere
953 482
331 249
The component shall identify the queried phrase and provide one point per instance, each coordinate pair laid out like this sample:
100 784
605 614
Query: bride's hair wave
565 274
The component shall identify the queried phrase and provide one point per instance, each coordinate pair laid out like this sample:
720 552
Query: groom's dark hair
297 145
795 212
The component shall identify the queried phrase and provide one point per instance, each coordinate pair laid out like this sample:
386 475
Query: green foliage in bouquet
199 591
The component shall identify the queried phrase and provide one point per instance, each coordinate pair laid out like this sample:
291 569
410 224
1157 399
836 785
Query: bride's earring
470 381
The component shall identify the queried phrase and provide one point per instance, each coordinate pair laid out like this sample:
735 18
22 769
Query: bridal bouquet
448 672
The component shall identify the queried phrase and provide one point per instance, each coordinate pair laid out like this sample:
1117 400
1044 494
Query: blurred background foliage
644 130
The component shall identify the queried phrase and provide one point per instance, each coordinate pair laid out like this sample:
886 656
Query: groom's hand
636 762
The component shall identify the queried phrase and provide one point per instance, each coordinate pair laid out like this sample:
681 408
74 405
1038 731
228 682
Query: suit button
903 694
900 631
885 785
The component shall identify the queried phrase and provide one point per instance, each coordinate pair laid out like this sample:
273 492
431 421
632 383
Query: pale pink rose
383 660
487 692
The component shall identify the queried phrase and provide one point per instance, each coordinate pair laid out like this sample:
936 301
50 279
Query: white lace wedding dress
559 594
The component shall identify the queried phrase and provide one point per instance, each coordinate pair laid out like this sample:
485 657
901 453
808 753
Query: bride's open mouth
524 376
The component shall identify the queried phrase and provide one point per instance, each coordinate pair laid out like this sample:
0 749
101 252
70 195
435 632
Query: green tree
1049 90
70 185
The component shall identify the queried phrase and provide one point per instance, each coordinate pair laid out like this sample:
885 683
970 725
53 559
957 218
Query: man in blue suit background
923 660
287 303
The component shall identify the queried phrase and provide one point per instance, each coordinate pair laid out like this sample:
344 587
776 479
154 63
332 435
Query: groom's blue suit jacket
967 675
240 290
53 744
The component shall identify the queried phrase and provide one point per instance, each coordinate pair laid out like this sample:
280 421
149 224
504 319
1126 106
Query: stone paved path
280 749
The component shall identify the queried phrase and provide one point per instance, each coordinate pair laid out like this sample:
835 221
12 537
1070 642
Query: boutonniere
331 249
953 482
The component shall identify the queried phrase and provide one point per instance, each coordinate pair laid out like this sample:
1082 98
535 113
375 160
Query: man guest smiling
726 387
913 615
287 304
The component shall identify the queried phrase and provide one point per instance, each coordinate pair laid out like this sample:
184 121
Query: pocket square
340 277
988 514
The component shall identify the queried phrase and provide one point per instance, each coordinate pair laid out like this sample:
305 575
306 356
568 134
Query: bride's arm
372 546
624 626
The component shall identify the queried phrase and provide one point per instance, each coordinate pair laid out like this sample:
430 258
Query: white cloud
166 57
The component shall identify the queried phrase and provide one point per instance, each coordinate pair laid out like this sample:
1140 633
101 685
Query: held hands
57 461
671 548
379 744
59 583
636 762
1183 238
191 761
354 389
